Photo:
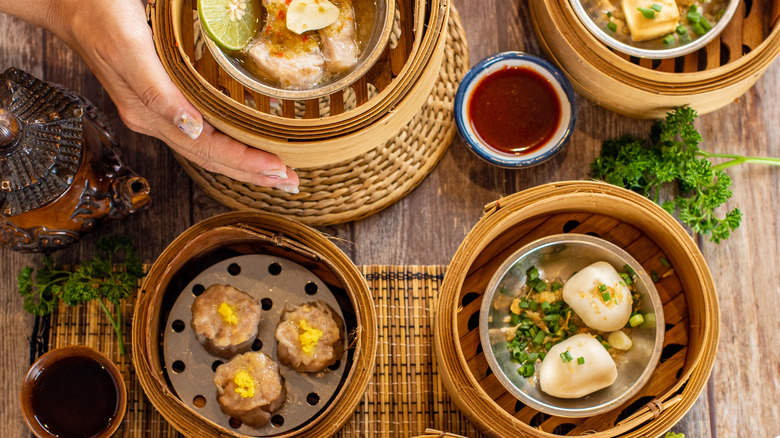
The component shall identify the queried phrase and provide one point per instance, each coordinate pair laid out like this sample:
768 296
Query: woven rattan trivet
404 397
355 189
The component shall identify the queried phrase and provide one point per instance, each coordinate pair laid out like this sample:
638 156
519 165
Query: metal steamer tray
274 283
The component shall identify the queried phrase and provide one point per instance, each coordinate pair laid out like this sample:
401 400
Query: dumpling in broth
586 368
599 296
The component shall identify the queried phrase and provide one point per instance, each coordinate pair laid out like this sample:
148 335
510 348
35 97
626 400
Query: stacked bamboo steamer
226 236
624 218
705 80
328 133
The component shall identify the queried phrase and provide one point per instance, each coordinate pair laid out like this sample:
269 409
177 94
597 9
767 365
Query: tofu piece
643 29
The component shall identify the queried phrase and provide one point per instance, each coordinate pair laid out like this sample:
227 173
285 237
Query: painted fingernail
289 188
275 174
188 124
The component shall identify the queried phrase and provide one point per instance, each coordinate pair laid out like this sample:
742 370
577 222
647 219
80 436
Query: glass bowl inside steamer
593 15
372 44
561 256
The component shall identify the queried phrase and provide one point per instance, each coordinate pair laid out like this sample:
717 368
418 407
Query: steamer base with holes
273 282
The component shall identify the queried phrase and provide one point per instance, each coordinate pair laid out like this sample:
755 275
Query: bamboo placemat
403 399
351 190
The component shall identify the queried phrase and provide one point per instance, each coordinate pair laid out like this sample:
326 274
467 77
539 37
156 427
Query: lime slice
230 23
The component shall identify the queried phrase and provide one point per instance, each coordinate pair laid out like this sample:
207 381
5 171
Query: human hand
116 42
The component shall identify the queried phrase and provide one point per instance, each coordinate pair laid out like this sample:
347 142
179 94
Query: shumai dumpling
599 296
576 367
310 337
225 320
250 388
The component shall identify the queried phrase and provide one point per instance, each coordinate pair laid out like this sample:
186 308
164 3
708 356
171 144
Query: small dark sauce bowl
540 153
49 362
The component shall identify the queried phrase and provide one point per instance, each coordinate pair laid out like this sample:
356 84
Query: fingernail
289 188
275 174
188 124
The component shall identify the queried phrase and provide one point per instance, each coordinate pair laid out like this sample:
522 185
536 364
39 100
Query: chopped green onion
682 30
514 319
656 7
532 357
534 305
609 14
532 331
554 286
647 13
626 278
566 357
654 275
548 345
581 360
605 344
669 39
542 355
693 17
686 38
649 320
523 304
605 296
531 274
636 320
612 26
545 306
573 328
539 338
602 287
665 262
539 285
629 270
705 24
553 317
526 370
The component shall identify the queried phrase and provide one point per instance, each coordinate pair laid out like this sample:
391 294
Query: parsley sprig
96 279
671 155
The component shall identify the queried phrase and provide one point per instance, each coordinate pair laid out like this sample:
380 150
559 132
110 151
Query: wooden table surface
742 397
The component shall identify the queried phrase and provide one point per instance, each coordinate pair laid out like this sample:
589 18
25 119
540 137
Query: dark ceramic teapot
59 169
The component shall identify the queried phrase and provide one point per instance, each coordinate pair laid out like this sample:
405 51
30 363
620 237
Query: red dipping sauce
514 110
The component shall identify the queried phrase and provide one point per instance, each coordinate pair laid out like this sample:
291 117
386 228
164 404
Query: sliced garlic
305 15
619 340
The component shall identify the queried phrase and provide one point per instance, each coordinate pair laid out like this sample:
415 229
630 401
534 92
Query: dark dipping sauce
515 110
75 397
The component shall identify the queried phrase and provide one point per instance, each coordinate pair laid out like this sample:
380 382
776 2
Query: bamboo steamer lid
647 89
402 79
222 237
625 218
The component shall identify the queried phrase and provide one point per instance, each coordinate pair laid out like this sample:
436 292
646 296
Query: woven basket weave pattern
351 190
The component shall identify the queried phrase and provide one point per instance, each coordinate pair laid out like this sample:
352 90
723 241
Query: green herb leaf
671 156
94 279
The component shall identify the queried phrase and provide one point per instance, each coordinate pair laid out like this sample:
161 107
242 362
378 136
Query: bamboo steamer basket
223 237
624 218
315 132
706 80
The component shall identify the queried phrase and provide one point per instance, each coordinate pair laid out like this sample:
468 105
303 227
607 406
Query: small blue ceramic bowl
560 85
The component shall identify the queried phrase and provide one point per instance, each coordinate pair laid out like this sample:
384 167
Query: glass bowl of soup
655 29
532 321
282 63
